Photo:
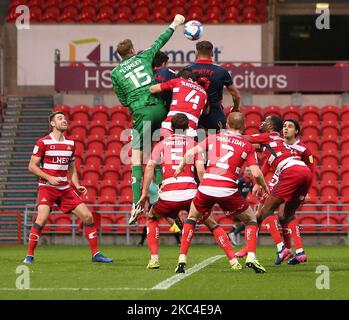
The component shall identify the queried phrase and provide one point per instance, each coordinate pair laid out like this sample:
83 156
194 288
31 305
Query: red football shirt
226 154
55 159
188 98
169 153
278 154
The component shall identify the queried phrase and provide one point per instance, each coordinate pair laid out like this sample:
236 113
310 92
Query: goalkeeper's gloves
177 21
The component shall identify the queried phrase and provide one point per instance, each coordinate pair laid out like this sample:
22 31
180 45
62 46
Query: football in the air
193 30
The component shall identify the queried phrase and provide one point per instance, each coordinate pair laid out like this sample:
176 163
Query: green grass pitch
61 271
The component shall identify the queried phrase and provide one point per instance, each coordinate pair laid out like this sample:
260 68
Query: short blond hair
124 47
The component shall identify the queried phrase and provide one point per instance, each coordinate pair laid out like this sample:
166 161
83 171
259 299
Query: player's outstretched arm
164 37
156 88
259 178
34 167
188 159
73 173
236 97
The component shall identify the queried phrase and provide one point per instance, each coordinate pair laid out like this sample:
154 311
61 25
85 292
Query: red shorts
66 200
231 205
293 185
171 208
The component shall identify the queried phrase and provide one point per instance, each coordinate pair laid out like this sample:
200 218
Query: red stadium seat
308 223
64 223
90 185
119 113
159 12
67 3
330 144
213 16
141 12
177 10
345 143
329 223
98 128
100 113
113 142
116 131
107 220
311 113
51 3
345 156
248 3
80 112
330 113
232 3
314 190
329 157
345 113
122 18
91 195
109 187
329 172
111 172
231 15
146 3
330 124
252 109
126 190
345 172
195 13
51 14
93 156
158 3
92 172
292 112
312 142
272 110
69 15
105 13
96 142
329 188
111 156
311 127
330 202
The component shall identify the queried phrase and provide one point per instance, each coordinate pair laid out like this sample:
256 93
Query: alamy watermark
23 280
23 20
323 280
323 20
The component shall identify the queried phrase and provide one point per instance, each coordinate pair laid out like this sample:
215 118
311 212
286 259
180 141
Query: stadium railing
326 212
2 78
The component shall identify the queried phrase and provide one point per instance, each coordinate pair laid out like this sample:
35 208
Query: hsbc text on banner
253 79
36 46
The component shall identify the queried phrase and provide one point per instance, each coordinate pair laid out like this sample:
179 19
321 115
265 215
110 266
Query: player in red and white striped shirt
290 184
53 162
188 97
227 152
176 194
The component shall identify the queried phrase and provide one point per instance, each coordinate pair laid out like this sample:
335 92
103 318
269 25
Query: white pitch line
164 285
75 289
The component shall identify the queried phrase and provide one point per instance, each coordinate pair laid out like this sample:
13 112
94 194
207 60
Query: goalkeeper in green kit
131 81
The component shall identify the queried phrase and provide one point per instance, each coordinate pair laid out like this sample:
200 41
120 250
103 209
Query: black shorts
214 120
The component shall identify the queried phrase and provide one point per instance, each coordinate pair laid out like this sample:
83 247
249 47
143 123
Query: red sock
92 238
224 242
286 234
296 234
187 235
272 223
251 232
153 236
34 237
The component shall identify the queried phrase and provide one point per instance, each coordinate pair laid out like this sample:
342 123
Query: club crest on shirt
52 147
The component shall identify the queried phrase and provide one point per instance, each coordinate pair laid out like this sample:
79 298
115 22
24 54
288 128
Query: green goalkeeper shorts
145 122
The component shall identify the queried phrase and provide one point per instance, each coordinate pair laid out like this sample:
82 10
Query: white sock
233 261
299 250
154 257
182 258
251 255
279 246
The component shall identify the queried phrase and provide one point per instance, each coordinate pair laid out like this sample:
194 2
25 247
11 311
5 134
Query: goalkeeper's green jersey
133 77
